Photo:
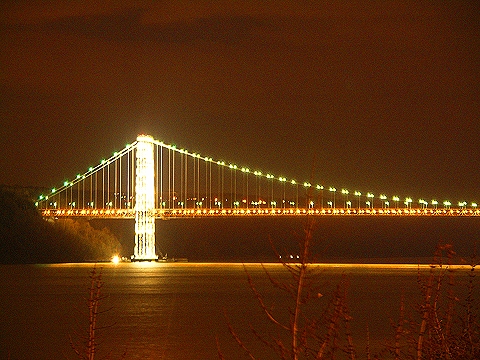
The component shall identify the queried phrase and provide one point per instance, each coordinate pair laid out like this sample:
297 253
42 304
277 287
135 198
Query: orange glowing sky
380 96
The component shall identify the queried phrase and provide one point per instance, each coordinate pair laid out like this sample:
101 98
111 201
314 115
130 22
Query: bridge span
150 180
198 213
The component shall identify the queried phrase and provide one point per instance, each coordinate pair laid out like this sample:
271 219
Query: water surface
177 310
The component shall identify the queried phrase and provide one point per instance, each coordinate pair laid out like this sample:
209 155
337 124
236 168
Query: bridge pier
144 249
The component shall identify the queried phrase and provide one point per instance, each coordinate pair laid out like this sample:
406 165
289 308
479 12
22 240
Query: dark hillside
26 238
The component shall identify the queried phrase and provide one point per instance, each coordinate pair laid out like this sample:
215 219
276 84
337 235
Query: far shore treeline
25 237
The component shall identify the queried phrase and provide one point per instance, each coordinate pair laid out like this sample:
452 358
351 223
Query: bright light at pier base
115 259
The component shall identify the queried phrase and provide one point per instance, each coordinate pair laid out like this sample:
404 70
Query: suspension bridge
149 179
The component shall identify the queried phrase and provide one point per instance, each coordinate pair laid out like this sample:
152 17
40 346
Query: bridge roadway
239 212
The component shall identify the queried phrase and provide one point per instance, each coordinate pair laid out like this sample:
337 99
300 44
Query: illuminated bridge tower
144 201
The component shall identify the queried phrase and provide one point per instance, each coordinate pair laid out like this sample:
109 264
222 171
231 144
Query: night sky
378 96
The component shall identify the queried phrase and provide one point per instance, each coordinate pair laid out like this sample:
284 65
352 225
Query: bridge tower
144 249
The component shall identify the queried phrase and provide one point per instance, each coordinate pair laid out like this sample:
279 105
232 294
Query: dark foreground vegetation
442 324
25 237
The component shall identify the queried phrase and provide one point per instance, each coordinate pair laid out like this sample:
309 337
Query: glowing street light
383 197
408 202
270 177
434 203
370 196
358 194
333 191
293 182
283 180
423 203
462 204
447 204
396 199
320 187
306 185
345 193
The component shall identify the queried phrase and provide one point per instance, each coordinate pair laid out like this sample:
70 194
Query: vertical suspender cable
210 186
103 187
198 180
108 183
96 189
297 195
195 182
83 191
169 180
127 190
157 193
161 176
186 179
247 190
115 194
91 190
223 186
207 161
180 188
120 180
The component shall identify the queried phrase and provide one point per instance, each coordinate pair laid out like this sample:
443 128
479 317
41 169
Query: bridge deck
235 212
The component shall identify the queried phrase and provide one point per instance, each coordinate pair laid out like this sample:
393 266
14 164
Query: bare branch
265 309
237 339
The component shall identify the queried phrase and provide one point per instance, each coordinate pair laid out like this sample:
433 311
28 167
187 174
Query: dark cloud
128 26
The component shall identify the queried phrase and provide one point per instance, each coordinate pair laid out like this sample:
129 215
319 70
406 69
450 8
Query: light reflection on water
176 310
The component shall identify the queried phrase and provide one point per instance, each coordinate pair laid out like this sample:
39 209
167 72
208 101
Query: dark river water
177 310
